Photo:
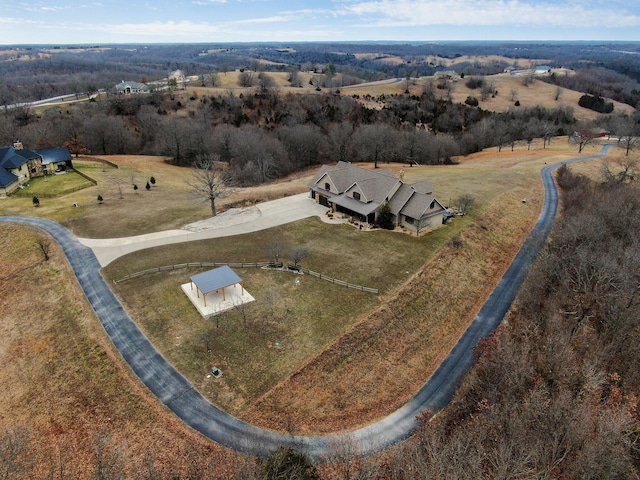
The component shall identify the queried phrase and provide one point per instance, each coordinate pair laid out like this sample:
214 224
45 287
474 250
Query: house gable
360 192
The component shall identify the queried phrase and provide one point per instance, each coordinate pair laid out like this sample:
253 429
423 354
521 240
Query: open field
537 93
126 212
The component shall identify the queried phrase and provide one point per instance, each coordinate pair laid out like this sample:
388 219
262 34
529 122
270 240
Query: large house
18 165
360 193
130 87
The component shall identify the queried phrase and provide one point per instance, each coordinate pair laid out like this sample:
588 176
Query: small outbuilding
216 291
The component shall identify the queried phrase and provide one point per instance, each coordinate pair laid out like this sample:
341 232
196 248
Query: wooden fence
338 282
245 265
84 175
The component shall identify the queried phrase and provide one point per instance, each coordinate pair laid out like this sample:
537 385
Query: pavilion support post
204 299
224 297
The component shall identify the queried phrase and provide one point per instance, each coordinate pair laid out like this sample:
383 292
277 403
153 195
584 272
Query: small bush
474 82
471 101
36 201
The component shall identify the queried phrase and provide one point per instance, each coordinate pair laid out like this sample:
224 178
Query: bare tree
298 254
208 181
14 443
275 250
465 202
582 138
44 244
213 79
340 140
620 170
295 79
266 83
246 79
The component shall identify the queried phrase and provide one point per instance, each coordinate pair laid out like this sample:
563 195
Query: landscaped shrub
384 218
36 201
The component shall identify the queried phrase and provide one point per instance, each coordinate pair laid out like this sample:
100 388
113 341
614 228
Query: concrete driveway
265 215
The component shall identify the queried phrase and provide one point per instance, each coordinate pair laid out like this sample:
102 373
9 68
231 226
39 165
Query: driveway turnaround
173 390
270 214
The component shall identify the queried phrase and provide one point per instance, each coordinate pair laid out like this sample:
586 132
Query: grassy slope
306 322
61 378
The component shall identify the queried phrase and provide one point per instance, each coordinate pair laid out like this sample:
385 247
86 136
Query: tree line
263 134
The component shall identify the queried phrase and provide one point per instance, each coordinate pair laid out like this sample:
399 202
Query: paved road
179 395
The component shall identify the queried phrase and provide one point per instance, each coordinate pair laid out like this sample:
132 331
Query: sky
194 21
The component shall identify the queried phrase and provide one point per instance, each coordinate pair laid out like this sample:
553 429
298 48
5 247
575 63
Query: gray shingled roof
215 279
400 198
424 186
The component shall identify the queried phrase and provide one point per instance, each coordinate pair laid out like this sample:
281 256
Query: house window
327 186
433 204
356 195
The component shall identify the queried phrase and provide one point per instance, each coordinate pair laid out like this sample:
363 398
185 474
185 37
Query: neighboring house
130 88
447 75
360 193
18 165
540 69
178 76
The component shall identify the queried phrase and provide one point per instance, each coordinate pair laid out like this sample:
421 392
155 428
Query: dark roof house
19 165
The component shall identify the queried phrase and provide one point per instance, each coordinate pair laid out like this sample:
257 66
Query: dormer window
356 195
327 186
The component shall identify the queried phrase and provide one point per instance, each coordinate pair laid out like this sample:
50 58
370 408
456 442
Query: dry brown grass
389 330
384 359
362 375
537 93
62 380
169 204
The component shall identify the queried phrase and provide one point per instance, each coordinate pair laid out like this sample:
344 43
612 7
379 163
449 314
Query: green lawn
54 185
286 325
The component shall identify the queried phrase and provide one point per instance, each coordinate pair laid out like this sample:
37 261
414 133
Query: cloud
485 13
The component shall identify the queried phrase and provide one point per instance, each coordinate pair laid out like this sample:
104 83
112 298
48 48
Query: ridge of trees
264 135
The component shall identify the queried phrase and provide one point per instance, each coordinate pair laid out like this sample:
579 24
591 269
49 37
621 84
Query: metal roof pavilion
216 279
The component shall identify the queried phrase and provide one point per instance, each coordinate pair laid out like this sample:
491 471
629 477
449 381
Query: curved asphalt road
180 396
